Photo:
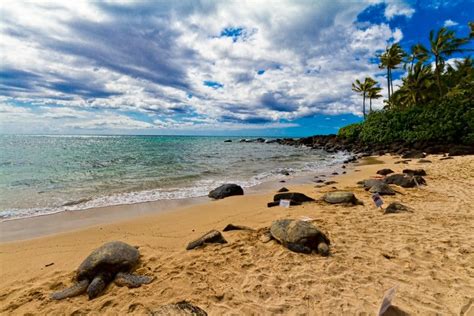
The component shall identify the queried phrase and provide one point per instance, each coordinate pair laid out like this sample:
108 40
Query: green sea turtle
300 236
341 197
111 261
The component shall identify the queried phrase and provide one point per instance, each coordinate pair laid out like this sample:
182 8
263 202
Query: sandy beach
428 254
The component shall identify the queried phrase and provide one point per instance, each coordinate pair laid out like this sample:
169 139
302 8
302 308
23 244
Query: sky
256 68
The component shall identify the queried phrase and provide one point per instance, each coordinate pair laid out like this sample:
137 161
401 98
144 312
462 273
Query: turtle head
323 249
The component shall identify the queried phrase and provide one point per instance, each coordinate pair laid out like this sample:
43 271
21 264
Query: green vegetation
434 103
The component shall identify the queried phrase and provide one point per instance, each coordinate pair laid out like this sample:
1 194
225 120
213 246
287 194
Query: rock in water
182 308
300 236
385 171
226 190
405 181
294 196
103 265
341 197
396 207
416 172
212 237
382 189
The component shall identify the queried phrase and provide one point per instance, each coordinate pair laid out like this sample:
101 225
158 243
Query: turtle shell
289 231
111 258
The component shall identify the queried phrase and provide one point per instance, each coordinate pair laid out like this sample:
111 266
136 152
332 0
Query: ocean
48 174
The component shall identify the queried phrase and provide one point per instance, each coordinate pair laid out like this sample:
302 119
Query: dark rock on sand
341 197
415 172
424 161
396 207
226 190
319 181
330 182
182 308
228 141
230 227
113 260
413 154
212 237
300 236
293 196
335 173
385 171
405 181
283 190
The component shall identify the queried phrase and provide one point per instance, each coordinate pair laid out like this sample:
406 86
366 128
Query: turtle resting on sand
300 236
111 261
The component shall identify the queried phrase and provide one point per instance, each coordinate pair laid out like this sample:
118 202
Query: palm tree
390 59
418 53
373 93
416 88
442 45
363 89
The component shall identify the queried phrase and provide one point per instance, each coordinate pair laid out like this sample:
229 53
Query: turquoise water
48 174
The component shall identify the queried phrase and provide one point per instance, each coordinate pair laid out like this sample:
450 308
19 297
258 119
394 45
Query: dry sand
428 254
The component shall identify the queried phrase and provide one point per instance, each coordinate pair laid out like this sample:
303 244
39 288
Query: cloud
132 65
398 8
449 23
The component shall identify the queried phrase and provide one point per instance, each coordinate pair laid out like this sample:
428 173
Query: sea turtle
300 236
110 261
341 197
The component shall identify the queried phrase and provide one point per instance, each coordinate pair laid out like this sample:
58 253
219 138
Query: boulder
293 196
226 190
385 171
341 197
415 172
212 237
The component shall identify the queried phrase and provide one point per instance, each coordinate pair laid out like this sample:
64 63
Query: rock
424 161
335 173
271 141
344 172
300 236
382 188
343 167
214 237
182 308
341 197
330 182
283 190
230 227
319 181
461 150
294 196
385 171
282 181
228 141
416 172
260 140
396 207
226 190
413 154
405 181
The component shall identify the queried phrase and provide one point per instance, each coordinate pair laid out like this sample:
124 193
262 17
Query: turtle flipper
76 289
298 247
97 286
131 280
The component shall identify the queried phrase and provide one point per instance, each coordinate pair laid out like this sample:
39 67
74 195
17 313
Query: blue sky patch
213 84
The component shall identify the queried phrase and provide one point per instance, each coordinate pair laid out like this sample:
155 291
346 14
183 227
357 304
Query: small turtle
300 236
110 261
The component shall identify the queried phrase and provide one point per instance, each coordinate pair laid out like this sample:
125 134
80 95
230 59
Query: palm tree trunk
363 106
388 83
438 81
370 106
391 81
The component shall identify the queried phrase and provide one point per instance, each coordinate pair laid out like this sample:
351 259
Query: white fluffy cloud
187 64
449 23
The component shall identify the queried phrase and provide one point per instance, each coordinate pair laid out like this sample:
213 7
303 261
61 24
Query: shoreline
370 253
24 228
